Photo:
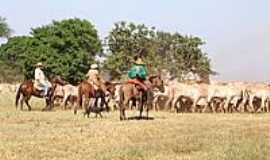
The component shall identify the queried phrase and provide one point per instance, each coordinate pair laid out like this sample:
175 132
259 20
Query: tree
66 47
5 31
124 42
162 50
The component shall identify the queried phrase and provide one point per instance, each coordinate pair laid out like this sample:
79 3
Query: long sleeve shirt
93 75
39 75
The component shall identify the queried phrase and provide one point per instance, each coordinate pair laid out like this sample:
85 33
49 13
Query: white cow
261 91
196 92
230 93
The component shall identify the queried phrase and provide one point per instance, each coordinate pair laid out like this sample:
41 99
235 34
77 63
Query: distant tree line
68 47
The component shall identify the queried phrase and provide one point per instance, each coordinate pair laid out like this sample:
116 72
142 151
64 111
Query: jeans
46 86
46 89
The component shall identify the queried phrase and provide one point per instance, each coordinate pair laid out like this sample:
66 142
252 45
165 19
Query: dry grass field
59 134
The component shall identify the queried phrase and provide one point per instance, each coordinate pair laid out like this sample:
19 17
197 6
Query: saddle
39 89
137 84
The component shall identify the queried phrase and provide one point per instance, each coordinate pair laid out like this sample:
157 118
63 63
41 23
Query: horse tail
18 95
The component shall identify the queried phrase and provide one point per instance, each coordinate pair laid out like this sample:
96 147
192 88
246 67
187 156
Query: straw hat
139 61
94 66
39 64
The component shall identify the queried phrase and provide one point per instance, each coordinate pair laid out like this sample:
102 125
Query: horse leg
26 100
51 102
64 103
78 103
141 104
148 105
147 111
47 104
21 102
123 103
75 109
155 107
122 110
86 104
92 103
104 102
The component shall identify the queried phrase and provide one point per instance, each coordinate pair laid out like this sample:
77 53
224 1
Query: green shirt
137 71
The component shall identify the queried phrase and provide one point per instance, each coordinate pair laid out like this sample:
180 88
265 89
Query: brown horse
26 90
90 95
130 92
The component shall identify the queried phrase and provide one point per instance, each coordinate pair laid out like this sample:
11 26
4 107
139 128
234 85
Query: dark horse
26 90
90 95
131 92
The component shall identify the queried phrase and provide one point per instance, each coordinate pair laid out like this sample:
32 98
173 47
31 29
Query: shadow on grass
140 118
36 110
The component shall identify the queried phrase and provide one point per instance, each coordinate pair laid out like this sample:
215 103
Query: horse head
111 87
55 81
157 82
58 80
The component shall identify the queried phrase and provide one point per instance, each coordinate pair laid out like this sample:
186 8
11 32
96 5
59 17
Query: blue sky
236 31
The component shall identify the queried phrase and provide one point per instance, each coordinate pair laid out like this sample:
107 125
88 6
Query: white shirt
93 75
39 75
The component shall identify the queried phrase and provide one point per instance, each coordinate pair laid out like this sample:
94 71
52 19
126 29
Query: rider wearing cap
94 78
41 81
137 73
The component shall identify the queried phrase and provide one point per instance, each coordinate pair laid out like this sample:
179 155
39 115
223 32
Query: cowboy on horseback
41 82
94 78
137 74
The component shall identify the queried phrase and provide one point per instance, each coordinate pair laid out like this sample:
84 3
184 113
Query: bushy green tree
124 42
66 47
5 31
161 50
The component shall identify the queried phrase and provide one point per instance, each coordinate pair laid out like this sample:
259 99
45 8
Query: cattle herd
216 97
182 97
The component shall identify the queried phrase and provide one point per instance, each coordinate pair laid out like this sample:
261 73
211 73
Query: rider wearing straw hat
137 73
94 78
41 81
